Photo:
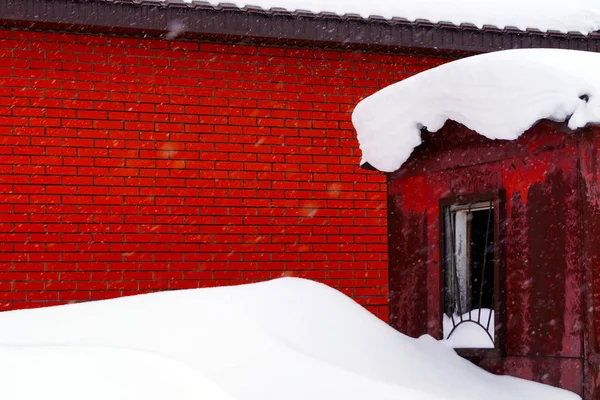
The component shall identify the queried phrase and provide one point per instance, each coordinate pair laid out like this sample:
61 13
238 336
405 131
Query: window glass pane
482 293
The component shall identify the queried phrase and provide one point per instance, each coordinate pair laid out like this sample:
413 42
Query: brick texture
130 165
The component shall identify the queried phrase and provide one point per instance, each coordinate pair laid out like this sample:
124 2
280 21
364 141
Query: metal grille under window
469 275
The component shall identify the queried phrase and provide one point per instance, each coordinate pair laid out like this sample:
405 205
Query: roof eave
275 26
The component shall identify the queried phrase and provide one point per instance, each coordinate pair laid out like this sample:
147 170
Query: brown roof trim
228 22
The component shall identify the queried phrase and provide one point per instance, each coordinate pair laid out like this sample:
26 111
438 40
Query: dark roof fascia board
230 23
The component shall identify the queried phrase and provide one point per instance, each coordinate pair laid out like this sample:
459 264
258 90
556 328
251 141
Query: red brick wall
130 165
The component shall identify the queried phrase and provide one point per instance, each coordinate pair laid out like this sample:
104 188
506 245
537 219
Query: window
469 274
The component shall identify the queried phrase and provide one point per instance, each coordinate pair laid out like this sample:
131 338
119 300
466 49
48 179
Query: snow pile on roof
575 15
285 339
499 95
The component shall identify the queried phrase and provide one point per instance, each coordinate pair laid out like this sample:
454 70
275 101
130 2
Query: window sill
475 354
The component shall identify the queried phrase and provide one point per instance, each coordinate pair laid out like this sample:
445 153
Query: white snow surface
284 339
499 95
575 15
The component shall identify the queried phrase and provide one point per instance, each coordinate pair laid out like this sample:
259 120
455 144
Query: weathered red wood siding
551 220
590 237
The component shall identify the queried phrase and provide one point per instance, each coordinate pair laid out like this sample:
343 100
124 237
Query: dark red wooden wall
551 242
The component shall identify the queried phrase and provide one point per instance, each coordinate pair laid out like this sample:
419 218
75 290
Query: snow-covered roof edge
203 20
581 16
499 95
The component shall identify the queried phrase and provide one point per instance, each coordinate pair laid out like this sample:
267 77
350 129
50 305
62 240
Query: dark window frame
497 197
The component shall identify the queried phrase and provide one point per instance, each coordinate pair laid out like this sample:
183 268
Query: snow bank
575 15
500 95
285 339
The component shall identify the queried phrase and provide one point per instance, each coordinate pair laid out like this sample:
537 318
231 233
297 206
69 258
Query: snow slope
284 339
574 15
499 95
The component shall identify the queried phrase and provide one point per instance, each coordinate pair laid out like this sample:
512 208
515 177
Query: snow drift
499 95
284 339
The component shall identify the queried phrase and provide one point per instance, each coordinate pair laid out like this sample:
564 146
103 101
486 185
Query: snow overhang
499 95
